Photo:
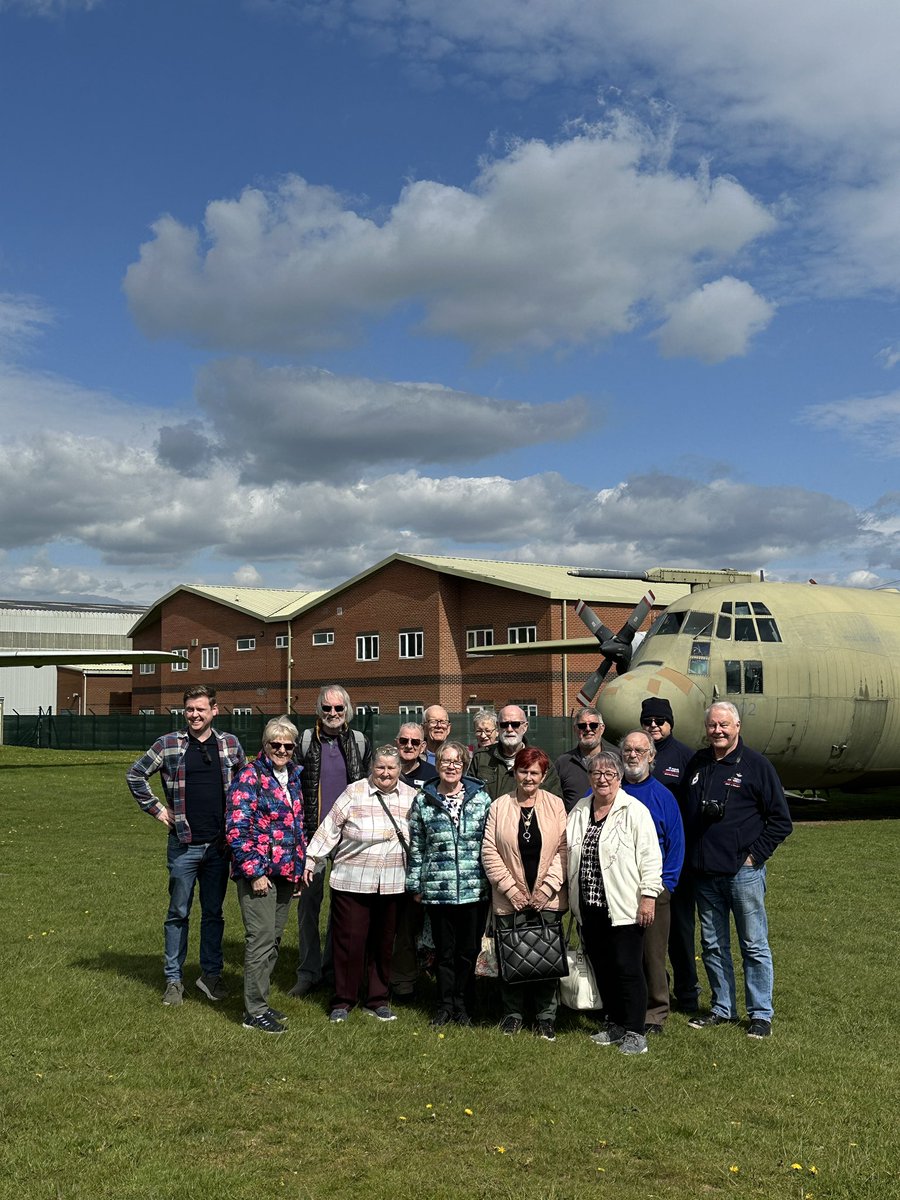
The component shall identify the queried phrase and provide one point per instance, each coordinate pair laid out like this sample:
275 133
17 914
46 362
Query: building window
517 634
245 644
477 639
366 647
325 637
412 710
412 643
147 669
209 658
530 710
241 714
180 666
146 712
363 709
281 641
177 713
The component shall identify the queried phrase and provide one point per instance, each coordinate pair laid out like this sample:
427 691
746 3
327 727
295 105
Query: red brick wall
100 694
401 596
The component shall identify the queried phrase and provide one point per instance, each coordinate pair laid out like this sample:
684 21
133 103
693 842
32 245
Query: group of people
428 840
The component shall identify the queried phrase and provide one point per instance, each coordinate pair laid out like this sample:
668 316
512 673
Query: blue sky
287 286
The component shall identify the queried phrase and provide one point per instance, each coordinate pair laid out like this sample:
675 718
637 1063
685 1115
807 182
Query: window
146 712
209 658
749 674
723 627
246 643
698 624
477 639
281 641
180 666
177 713
699 660
753 678
147 669
669 623
521 633
412 643
412 710
242 710
325 637
363 709
744 630
732 677
530 710
366 647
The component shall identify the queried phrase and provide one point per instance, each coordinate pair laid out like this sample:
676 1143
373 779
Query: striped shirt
368 856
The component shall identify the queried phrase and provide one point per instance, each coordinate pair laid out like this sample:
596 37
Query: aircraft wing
87 658
568 646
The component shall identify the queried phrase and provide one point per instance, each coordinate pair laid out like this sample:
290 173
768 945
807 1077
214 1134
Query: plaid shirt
369 857
166 756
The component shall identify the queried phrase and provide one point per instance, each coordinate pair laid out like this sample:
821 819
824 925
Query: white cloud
21 319
715 322
553 244
889 356
873 420
47 8
247 576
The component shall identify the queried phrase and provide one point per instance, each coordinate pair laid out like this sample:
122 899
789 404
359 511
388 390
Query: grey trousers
656 945
312 964
265 917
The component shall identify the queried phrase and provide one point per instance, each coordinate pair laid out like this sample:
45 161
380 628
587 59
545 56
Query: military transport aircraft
814 671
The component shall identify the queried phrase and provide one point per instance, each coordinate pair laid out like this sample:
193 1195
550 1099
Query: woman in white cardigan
524 858
615 875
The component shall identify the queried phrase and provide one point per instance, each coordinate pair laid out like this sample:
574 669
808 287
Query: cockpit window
760 609
669 623
726 606
744 630
768 630
723 627
741 608
752 622
698 624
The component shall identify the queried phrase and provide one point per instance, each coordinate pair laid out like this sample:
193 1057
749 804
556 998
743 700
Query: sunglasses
657 721
286 746
332 708
409 741
584 726
510 724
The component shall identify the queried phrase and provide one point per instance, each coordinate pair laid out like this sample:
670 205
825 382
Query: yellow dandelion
603 1143
734 1169
468 1112
401 1118
429 1106
441 1037
807 1196
500 1149
602 1169
854 1143
813 1170
796 1166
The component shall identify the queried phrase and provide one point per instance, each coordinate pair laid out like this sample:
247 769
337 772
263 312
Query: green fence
67 731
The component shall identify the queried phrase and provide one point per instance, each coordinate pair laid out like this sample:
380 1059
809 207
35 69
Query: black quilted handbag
532 948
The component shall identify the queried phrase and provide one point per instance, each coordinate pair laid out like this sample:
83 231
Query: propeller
615 647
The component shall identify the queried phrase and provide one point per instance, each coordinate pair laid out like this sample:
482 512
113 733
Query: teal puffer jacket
445 861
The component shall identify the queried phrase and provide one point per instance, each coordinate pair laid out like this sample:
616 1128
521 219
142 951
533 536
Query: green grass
105 1093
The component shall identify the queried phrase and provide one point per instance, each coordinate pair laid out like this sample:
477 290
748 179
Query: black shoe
510 1025
545 1030
463 1019
709 1020
759 1028
264 1022
403 998
276 1015
440 1019
652 1030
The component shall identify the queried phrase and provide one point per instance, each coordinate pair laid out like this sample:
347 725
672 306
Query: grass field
105 1093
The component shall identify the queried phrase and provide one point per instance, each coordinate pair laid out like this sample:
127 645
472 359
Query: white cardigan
630 858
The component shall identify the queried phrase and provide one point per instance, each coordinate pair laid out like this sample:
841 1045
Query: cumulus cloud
715 322
874 421
286 423
552 245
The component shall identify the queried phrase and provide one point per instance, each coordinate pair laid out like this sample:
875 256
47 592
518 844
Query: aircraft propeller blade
600 631
615 647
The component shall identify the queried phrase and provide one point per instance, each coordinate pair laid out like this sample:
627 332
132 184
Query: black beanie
656 706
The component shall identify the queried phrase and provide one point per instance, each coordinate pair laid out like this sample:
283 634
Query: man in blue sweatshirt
735 816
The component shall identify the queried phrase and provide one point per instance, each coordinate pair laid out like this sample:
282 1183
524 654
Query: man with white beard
494 765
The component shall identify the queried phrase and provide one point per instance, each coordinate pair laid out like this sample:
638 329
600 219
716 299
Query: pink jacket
503 863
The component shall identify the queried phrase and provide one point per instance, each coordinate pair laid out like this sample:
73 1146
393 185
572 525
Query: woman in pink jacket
524 858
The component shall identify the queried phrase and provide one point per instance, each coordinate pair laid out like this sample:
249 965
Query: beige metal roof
540 579
268 604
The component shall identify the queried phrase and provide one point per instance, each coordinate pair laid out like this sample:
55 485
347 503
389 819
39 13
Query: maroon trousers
362 933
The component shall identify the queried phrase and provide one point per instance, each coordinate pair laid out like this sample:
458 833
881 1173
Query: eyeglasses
632 750
605 775
509 724
436 723
286 746
450 762
409 742
332 708
657 721
584 726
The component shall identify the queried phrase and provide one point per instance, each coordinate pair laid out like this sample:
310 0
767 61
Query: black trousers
616 953
682 944
456 930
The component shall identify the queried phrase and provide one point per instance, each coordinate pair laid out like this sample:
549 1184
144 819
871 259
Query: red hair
532 756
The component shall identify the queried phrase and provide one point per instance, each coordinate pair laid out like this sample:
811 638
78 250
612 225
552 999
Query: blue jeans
744 896
187 865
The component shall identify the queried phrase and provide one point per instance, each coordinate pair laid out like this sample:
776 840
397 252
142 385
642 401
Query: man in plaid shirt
196 766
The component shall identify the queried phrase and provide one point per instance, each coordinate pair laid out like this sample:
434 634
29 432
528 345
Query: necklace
527 818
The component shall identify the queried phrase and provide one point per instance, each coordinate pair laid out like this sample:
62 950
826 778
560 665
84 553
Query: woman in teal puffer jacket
446 828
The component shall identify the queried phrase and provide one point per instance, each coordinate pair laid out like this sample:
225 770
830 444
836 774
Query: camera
713 809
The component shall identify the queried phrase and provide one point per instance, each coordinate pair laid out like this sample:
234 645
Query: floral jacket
264 823
445 860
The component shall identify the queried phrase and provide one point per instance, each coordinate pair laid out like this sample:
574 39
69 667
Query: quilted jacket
445 861
264 823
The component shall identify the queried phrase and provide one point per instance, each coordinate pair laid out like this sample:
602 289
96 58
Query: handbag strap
390 816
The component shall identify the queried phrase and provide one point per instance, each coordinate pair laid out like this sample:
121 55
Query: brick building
398 637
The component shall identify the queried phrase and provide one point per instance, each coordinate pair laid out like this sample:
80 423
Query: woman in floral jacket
264 829
446 828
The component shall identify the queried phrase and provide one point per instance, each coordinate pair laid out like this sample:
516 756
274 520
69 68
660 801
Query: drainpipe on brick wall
565 662
287 707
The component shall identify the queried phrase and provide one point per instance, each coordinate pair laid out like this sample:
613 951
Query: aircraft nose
620 701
